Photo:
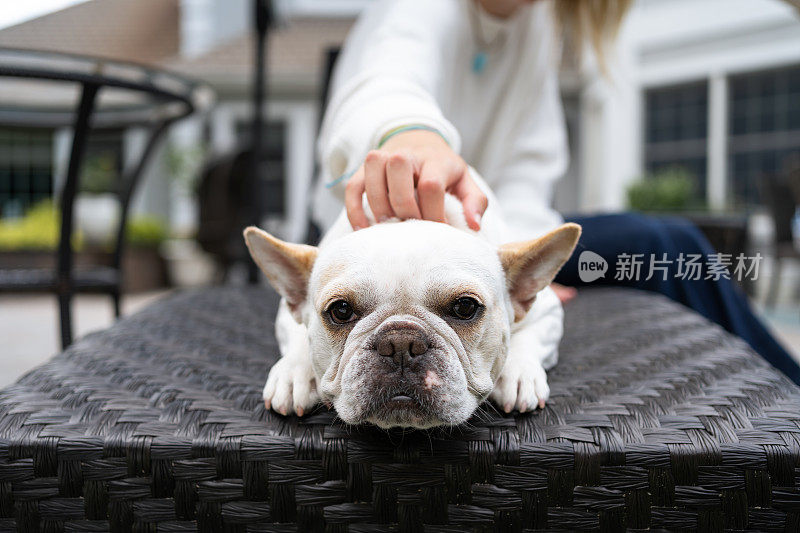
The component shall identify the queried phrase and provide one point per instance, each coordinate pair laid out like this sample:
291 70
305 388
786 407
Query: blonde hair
594 21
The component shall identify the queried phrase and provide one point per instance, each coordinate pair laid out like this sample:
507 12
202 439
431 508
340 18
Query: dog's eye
341 312
464 308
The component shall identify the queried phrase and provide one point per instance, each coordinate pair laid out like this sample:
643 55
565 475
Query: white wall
207 23
609 119
152 191
331 8
684 40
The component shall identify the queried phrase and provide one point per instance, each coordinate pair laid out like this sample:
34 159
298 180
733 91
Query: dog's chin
401 411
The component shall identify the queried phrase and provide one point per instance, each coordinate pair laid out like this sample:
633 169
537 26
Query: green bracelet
411 127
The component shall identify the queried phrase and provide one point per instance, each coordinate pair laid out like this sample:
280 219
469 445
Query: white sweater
411 62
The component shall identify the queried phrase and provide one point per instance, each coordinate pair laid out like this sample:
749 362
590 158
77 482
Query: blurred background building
708 87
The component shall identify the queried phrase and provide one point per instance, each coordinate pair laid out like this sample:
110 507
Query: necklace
480 58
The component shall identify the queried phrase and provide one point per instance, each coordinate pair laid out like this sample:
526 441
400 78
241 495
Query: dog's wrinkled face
409 322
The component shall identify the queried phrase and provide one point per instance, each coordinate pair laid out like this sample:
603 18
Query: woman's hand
408 178
565 294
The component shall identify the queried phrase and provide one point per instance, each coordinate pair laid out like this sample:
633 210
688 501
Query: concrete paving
784 322
29 333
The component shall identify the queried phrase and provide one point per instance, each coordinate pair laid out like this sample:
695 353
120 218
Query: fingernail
299 411
356 228
507 408
541 404
283 411
523 407
383 219
477 218
267 404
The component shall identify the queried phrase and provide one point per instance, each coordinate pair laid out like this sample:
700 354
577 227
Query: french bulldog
414 323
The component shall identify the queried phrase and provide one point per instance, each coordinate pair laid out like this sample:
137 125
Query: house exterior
711 85
716 85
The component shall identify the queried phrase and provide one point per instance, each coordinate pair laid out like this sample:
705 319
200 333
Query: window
676 130
26 168
764 129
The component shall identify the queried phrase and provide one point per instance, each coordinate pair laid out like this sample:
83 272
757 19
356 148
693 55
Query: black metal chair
781 197
223 194
154 99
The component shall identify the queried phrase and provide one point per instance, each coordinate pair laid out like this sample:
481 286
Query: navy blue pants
720 300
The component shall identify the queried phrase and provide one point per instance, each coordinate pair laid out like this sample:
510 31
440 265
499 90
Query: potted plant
672 192
669 190
30 242
143 267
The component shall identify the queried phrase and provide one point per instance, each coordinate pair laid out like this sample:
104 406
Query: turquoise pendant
479 61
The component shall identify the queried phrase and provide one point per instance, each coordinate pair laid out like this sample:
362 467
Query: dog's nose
402 340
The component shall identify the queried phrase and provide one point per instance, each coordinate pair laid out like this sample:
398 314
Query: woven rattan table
658 420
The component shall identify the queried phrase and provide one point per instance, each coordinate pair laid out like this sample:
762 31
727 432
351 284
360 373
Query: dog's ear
286 265
530 266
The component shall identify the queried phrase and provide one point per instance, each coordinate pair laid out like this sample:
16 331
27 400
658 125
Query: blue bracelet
340 179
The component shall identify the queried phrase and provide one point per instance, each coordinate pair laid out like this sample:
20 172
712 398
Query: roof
295 55
144 31
148 31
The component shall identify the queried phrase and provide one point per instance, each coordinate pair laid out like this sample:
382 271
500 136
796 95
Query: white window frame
328 8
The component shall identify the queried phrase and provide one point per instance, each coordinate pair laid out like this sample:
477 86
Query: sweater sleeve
535 146
390 73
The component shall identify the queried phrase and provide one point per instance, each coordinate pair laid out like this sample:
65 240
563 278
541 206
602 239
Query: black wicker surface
657 420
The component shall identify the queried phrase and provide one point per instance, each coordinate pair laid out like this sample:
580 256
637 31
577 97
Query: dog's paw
522 385
291 387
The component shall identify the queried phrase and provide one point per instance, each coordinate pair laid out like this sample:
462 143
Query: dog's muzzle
402 340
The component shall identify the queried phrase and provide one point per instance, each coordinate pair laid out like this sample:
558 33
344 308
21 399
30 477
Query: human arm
390 76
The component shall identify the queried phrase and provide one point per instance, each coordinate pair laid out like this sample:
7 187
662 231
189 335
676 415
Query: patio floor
29 326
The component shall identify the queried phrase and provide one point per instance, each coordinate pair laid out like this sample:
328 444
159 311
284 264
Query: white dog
414 323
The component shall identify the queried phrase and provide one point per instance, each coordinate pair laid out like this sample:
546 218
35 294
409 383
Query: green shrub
37 230
145 230
666 190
